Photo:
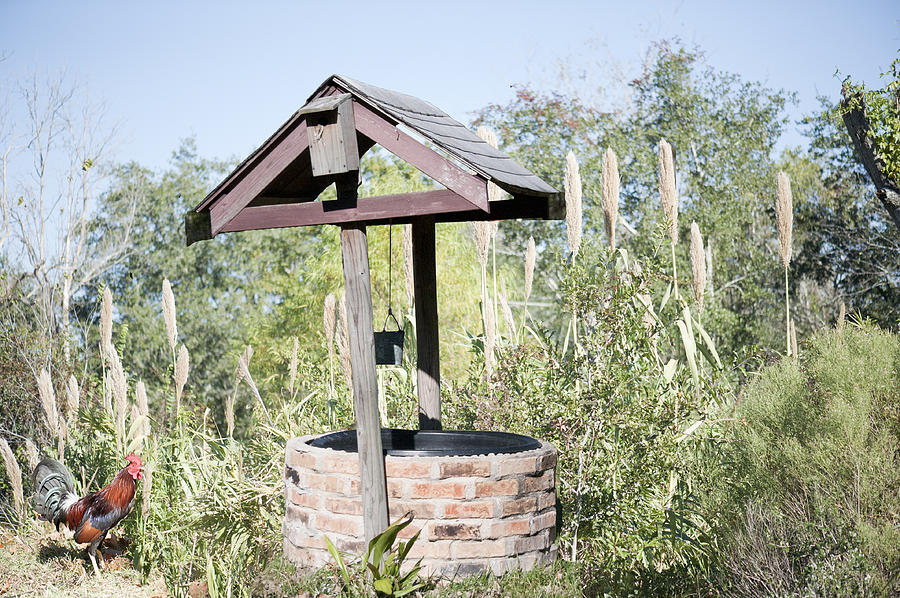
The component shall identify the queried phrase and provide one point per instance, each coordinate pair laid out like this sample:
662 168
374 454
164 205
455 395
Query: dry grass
784 216
40 561
530 260
292 369
14 473
481 231
408 278
73 396
48 401
698 265
667 192
610 195
106 308
572 184
168 302
182 365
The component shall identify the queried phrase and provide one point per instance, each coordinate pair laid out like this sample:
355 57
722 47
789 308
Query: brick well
480 513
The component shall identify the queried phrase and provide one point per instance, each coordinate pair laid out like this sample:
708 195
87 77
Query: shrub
819 507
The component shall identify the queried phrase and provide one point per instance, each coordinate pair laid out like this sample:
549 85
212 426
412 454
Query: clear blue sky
231 72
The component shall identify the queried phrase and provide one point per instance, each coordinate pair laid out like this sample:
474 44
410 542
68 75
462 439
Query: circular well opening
433 443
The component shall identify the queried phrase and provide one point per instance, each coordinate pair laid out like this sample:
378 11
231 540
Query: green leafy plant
383 563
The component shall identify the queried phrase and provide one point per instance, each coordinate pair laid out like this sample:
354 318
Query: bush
819 507
630 402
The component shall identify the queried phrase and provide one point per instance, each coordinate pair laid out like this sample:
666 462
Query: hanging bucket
389 343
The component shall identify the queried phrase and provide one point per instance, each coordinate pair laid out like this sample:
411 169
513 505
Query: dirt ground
41 562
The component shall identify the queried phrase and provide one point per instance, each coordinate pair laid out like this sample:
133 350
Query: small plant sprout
698 266
572 185
669 198
784 219
610 195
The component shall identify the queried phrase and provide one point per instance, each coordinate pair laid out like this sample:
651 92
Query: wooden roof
276 185
448 134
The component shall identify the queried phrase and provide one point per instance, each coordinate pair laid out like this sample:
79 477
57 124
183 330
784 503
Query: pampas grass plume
784 216
140 396
573 204
842 315
667 191
530 260
328 319
293 366
168 302
490 335
698 264
507 315
610 195
14 473
181 374
408 276
48 401
343 343
245 357
106 309
32 455
73 395
482 234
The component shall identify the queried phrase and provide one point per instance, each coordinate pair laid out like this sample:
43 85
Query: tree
52 170
723 130
872 119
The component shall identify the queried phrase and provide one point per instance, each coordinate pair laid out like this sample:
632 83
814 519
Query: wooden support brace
358 290
429 363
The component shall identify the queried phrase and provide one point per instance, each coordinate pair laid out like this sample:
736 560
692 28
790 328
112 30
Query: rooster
91 516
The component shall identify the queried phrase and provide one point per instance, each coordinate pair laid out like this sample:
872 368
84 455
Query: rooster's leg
92 552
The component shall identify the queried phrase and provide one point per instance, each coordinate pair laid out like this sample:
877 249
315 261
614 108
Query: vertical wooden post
357 285
429 363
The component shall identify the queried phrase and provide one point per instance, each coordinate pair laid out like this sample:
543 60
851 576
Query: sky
229 73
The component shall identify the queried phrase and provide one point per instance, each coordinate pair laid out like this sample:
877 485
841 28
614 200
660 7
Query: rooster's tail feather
54 489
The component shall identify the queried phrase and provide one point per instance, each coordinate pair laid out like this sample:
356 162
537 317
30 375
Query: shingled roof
277 184
448 134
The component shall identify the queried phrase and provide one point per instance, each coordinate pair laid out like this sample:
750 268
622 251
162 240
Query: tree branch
857 123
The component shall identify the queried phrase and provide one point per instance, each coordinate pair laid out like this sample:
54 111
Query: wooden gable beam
268 167
444 205
468 186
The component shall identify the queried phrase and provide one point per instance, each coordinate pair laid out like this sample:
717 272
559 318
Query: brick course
491 513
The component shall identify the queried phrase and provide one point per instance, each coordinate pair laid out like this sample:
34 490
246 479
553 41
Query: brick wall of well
484 513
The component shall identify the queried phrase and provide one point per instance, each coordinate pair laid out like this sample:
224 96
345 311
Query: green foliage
723 130
883 111
818 445
635 426
380 569
845 242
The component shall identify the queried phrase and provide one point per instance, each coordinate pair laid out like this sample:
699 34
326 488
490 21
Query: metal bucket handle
390 316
